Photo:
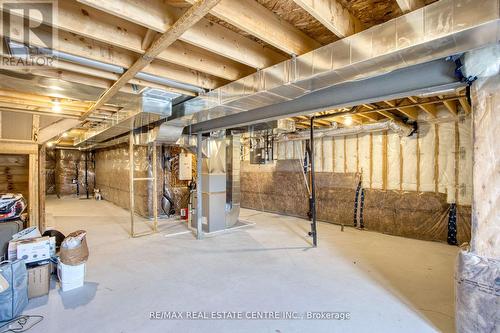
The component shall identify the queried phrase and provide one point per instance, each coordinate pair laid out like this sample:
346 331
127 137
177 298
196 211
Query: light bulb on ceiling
348 121
50 144
65 135
56 105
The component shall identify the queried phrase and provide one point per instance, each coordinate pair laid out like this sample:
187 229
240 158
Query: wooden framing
133 179
95 50
255 19
42 185
193 15
204 34
410 5
429 108
332 15
372 112
30 148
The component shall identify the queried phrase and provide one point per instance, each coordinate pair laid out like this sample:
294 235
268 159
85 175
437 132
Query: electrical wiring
21 321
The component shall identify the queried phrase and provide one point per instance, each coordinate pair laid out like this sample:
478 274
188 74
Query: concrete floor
386 283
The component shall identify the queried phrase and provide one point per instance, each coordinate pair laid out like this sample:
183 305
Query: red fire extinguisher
184 213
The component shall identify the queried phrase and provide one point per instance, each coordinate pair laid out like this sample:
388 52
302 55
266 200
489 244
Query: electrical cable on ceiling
21 321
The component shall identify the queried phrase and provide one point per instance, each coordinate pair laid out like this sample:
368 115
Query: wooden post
436 158
35 128
155 189
41 187
33 190
131 181
385 161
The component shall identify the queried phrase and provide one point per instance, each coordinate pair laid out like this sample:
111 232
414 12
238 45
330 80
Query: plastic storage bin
71 277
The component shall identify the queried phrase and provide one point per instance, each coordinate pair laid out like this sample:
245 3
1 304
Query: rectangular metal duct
137 112
441 29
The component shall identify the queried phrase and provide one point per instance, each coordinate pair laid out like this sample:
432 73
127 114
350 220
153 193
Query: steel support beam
313 232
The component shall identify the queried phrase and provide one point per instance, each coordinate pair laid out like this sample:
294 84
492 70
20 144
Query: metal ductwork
138 112
433 32
397 127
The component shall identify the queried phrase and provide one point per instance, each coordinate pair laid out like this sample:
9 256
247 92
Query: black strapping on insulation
452 225
361 207
356 205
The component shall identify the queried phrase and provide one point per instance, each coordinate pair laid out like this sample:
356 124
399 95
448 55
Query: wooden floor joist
159 16
192 15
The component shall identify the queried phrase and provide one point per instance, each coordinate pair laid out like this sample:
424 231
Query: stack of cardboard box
36 251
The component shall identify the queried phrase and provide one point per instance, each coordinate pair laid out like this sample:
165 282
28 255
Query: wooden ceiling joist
56 129
410 5
86 80
371 116
204 34
255 19
94 24
99 51
409 112
97 73
187 20
465 104
386 113
332 15
451 106
430 109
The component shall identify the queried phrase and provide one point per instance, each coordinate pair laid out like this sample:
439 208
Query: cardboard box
31 232
38 280
13 249
35 249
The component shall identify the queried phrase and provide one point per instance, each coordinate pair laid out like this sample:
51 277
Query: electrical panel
185 166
